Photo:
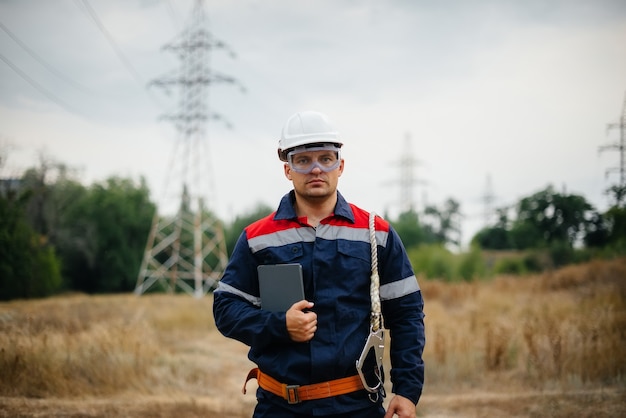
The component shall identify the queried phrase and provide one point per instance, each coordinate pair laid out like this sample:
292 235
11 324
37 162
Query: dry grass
148 356
546 345
561 330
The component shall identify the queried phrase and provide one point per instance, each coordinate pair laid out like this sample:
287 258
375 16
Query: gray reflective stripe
399 288
328 232
381 238
277 239
223 287
331 232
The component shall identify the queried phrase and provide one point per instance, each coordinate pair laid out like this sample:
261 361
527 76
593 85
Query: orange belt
296 393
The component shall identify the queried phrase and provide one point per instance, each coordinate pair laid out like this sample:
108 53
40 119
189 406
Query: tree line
58 235
545 230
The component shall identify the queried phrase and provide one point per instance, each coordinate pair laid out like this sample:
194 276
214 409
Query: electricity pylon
408 179
189 245
488 199
620 146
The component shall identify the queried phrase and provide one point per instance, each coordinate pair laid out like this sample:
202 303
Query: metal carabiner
375 341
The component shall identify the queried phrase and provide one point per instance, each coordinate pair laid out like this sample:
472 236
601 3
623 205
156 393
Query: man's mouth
316 181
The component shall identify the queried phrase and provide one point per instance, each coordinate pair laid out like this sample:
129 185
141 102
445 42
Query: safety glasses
304 160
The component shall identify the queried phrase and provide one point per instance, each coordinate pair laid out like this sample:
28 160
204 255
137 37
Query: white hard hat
305 128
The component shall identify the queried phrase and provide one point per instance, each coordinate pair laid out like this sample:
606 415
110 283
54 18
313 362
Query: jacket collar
286 209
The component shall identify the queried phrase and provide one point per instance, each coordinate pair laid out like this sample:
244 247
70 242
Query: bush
471 265
433 261
514 266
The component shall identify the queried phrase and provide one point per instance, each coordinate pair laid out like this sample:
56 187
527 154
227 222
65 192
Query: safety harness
376 338
375 341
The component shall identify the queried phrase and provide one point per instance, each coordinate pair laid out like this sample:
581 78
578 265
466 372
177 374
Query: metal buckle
376 342
292 394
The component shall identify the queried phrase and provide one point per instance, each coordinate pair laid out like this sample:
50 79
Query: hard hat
305 128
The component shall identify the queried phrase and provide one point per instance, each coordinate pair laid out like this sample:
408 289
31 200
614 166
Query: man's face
314 174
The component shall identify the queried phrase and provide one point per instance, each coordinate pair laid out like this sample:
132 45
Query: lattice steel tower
619 146
186 248
488 199
408 178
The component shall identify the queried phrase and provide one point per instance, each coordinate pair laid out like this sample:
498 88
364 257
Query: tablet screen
280 286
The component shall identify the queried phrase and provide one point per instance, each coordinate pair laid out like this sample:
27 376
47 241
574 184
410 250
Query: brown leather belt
296 393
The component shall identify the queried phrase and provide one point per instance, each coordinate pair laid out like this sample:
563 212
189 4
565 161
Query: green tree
614 220
548 217
102 234
444 223
597 233
618 193
616 226
496 237
28 265
410 231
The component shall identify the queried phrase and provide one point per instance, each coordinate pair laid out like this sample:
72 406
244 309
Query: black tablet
280 286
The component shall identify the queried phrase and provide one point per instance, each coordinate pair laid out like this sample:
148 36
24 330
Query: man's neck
315 210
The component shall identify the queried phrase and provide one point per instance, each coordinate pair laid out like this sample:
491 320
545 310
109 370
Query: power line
118 51
173 15
41 61
92 13
36 85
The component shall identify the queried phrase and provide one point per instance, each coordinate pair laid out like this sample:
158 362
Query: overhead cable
36 85
118 51
41 61
116 48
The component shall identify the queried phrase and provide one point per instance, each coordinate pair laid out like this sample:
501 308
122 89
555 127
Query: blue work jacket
336 263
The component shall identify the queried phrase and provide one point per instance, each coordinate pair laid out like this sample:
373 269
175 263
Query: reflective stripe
328 232
347 233
399 288
280 238
223 287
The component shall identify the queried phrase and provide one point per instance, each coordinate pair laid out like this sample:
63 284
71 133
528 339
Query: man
307 356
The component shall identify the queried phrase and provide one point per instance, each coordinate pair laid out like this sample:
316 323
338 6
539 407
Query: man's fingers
302 305
301 324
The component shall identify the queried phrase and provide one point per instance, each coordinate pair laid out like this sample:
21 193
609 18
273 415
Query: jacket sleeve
403 314
236 303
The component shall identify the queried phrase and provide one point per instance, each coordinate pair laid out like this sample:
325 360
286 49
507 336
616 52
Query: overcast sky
520 92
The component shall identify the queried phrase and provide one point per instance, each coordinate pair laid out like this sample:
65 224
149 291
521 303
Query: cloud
521 91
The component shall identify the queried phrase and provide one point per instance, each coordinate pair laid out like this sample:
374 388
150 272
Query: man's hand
301 325
402 407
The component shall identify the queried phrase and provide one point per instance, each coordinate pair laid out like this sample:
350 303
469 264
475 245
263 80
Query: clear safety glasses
304 160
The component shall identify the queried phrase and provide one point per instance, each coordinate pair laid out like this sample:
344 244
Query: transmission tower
408 179
186 249
488 199
619 146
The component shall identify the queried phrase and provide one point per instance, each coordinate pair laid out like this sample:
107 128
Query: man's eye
302 161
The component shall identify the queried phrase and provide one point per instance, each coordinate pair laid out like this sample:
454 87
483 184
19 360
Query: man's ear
287 171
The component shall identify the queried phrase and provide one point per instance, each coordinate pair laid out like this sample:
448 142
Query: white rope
376 318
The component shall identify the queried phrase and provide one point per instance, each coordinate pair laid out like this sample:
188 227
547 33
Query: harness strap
296 393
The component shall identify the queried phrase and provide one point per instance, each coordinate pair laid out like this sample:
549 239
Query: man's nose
317 169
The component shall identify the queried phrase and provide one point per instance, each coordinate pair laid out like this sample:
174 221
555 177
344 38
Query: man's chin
318 193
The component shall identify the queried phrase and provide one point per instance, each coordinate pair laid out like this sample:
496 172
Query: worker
307 356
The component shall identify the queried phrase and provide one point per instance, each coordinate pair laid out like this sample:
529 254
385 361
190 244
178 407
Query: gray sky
520 91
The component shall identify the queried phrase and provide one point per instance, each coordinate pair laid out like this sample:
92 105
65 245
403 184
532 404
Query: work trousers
271 410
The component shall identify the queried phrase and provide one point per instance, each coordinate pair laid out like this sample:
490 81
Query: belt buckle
292 394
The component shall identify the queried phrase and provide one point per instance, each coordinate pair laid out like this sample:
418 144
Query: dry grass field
550 345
